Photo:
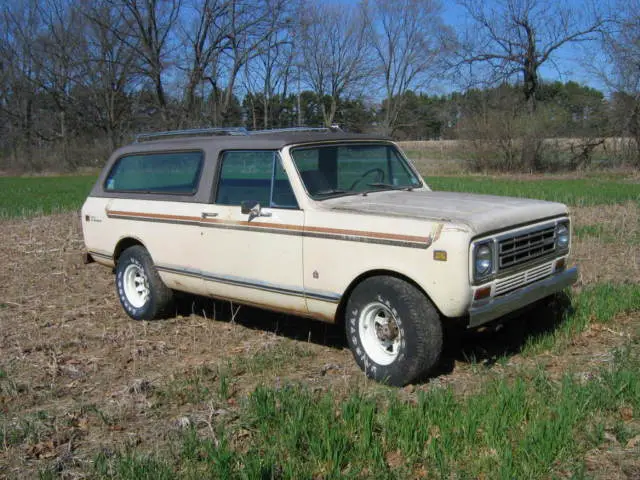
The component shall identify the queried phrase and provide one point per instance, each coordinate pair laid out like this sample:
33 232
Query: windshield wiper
333 191
408 188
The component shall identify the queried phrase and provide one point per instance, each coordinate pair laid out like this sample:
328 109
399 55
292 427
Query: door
252 236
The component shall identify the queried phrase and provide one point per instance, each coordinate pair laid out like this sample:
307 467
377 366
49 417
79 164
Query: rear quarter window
169 173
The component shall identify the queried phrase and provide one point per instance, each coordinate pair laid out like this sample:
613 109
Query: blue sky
570 61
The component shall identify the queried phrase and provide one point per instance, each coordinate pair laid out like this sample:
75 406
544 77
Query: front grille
508 284
524 247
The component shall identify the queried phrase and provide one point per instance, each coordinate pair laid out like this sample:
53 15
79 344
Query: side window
254 175
169 173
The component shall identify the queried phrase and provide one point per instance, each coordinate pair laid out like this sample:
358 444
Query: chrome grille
506 285
524 247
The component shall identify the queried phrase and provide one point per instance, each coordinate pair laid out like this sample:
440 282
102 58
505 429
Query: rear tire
142 293
393 330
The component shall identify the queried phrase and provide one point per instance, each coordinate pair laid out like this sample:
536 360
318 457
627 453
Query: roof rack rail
332 128
230 131
191 132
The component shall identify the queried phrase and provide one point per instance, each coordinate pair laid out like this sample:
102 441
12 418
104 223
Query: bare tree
410 43
251 25
333 52
622 75
228 35
205 38
269 73
57 53
20 23
515 38
109 76
147 29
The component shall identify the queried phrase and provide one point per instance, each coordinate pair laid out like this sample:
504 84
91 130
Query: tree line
77 79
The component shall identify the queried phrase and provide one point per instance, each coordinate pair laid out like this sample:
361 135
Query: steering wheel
377 170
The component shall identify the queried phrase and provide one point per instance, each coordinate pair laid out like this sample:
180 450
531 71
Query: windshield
347 169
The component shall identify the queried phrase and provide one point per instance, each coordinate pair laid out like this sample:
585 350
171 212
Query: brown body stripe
361 233
423 241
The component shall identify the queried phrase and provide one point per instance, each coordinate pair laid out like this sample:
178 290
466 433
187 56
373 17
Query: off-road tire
159 300
418 324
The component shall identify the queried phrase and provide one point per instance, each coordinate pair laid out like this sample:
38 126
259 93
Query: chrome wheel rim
379 333
135 285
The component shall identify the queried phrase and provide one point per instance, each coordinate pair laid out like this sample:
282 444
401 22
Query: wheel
376 170
393 330
142 293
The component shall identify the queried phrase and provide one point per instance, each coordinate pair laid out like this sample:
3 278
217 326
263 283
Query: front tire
393 330
142 293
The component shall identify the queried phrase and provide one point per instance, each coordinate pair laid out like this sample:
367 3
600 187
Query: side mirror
253 209
249 207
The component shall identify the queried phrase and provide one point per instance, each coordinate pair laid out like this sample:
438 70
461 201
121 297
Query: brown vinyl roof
266 141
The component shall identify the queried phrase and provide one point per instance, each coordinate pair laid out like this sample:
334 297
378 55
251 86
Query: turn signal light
561 265
481 293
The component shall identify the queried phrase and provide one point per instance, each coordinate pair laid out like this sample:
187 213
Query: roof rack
230 131
192 132
332 128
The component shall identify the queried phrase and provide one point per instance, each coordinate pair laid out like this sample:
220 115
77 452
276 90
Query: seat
315 181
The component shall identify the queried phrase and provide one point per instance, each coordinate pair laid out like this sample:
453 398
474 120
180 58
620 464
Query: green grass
576 192
598 303
198 384
534 427
286 354
134 466
31 428
191 387
531 426
605 234
31 196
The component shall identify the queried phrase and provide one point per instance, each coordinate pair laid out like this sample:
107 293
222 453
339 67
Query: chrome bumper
500 306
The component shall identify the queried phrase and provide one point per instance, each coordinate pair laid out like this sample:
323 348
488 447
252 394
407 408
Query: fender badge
440 255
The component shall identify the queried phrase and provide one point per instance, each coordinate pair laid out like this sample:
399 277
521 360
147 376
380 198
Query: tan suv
323 224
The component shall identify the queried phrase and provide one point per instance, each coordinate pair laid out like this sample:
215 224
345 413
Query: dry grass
453 157
68 350
78 377
609 247
438 157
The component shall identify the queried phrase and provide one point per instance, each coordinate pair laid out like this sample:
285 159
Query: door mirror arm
253 209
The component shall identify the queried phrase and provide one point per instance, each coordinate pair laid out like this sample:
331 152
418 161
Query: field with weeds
222 392
31 196
460 156
24 197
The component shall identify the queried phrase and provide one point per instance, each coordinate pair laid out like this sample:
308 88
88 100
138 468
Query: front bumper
510 302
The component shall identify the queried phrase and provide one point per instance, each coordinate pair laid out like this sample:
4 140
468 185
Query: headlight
562 236
483 260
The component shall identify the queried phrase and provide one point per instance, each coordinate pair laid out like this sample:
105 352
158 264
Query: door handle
205 215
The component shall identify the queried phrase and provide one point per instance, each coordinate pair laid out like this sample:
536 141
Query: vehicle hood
481 213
